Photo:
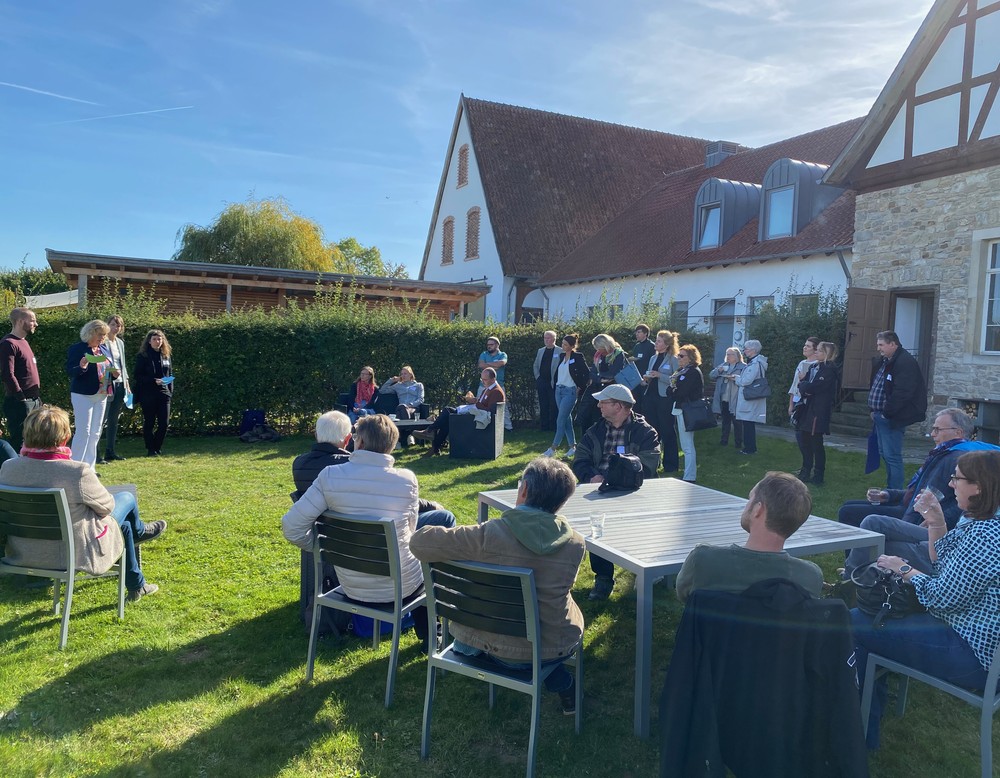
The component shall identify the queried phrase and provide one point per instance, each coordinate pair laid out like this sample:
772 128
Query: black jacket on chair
759 683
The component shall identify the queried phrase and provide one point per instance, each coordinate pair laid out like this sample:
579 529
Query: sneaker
114 458
571 453
603 586
567 700
102 461
410 440
803 476
138 594
152 530
549 452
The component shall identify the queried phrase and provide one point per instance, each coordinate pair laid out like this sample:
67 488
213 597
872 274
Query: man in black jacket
620 431
333 433
897 398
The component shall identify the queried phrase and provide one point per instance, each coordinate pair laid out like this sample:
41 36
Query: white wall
700 287
456 202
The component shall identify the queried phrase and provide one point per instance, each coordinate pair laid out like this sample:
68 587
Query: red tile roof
552 181
654 233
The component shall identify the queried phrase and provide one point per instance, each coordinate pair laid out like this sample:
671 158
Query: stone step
854 410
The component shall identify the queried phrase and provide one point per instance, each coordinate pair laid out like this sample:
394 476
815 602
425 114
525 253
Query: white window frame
768 233
990 273
704 216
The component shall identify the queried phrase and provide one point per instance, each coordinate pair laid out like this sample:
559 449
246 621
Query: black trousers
659 413
155 412
729 419
16 411
115 404
813 453
441 428
546 404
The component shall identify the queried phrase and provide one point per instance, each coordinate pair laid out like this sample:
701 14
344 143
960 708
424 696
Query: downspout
546 298
843 266
513 287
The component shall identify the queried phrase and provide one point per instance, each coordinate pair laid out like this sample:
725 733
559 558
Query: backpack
624 474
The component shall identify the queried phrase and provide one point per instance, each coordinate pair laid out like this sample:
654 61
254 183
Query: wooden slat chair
366 546
43 514
498 599
988 702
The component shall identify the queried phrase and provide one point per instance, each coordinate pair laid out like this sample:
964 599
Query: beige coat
560 619
97 538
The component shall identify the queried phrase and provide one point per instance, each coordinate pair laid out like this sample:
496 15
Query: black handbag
758 389
698 415
884 594
624 474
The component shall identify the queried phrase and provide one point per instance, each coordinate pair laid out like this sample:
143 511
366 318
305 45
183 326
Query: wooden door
867 315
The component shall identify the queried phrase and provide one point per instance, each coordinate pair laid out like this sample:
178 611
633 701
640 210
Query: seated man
620 431
333 433
368 485
489 396
531 535
777 506
952 427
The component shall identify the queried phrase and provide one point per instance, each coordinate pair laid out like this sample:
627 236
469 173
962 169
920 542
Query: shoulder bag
884 594
698 415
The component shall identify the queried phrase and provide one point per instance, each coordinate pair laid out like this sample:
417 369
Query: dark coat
306 467
690 385
640 439
905 390
82 381
607 369
818 396
579 371
759 682
149 367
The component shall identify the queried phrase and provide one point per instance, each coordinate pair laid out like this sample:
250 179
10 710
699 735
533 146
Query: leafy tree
367 261
260 233
32 280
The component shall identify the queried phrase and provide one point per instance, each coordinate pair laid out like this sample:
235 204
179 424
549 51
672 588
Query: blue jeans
436 518
559 680
360 413
749 436
922 642
902 539
126 513
565 402
853 512
890 448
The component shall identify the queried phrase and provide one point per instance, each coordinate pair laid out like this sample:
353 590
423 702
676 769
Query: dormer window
780 207
793 197
722 208
708 230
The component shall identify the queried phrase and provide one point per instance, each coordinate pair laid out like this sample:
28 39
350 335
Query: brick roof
552 181
654 233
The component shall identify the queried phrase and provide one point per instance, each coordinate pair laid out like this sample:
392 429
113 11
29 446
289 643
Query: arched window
472 233
463 165
448 241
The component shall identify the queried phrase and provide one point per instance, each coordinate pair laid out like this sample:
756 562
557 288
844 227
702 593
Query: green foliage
32 281
782 330
366 261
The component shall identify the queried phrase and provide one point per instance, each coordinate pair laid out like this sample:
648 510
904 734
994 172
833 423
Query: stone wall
934 235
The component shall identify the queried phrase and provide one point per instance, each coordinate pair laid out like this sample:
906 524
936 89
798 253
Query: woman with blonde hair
656 404
46 462
817 388
726 392
609 358
154 378
687 385
408 390
92 376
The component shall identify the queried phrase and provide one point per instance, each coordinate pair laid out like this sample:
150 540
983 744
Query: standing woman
657 402
750 412
91 377
726 391
687 385
817 386
363 393
572 379
609 358
152 366
116 352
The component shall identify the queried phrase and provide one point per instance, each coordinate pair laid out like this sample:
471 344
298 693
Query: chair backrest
491 598
37 514
366 545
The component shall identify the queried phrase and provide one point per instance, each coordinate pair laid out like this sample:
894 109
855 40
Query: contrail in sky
48 94
120 115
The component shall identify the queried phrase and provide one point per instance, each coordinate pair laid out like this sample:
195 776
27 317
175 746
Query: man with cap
495 358
620 431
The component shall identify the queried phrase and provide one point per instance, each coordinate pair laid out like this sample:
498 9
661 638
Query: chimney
716 151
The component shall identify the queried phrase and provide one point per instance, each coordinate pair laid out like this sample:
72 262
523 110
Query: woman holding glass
92 377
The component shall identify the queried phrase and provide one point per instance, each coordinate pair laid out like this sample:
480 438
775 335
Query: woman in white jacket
751 412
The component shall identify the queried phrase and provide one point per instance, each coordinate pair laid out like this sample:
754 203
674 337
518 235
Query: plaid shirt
876 395
964 589
614 438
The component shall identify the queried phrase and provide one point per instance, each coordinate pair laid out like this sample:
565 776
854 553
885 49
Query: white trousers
88 415
687 446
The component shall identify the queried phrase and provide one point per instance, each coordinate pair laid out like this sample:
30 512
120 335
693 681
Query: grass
206 677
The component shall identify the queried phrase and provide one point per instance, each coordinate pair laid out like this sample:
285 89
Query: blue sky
123 121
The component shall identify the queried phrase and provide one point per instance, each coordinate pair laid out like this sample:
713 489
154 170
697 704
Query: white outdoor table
651 532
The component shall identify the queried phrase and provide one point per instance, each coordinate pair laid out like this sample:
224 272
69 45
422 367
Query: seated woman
362 395
46 462
491 394
408 390
957 637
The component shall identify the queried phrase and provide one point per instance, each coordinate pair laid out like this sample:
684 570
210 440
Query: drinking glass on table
597 525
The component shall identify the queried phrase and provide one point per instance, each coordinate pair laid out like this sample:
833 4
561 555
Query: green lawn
205 678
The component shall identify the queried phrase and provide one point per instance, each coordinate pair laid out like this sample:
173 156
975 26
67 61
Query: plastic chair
497 599
988 703
366 546
43 514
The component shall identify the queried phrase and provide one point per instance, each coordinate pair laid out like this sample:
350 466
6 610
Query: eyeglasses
683 356
956 477
942 429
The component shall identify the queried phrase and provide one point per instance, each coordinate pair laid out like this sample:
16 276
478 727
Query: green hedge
293 362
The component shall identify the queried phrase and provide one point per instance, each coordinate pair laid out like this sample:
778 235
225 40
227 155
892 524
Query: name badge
165 362
888 378
680 378
620 450
572 361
